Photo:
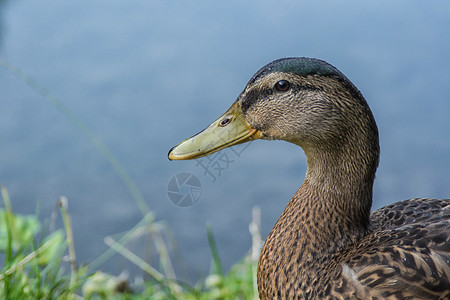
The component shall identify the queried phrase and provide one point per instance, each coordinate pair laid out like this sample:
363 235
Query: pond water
141 76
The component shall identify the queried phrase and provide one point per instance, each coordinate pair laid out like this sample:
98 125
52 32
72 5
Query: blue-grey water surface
144 75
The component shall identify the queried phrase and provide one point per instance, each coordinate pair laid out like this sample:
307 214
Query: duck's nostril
225 121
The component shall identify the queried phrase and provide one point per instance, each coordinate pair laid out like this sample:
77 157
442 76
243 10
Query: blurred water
145 75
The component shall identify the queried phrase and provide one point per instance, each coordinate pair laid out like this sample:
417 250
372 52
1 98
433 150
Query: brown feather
326 245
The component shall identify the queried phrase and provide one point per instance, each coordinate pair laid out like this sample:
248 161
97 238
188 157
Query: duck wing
406 256
412 211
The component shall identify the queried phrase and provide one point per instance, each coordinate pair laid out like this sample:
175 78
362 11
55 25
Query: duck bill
230 129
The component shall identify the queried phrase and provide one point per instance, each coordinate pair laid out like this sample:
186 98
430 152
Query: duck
327 244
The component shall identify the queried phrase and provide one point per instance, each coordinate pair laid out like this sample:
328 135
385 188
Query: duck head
304 101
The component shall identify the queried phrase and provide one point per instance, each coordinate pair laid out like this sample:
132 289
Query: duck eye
282 85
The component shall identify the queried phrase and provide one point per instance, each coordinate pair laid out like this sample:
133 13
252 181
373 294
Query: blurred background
144 75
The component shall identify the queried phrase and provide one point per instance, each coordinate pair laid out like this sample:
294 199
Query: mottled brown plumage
326 244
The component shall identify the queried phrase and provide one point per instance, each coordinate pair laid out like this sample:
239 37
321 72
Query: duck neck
329 221
303 248
333 204
341 181
328 214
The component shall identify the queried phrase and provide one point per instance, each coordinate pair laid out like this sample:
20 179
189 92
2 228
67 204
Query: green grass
41 264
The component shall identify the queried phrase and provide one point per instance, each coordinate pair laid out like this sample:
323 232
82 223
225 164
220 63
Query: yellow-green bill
230 129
